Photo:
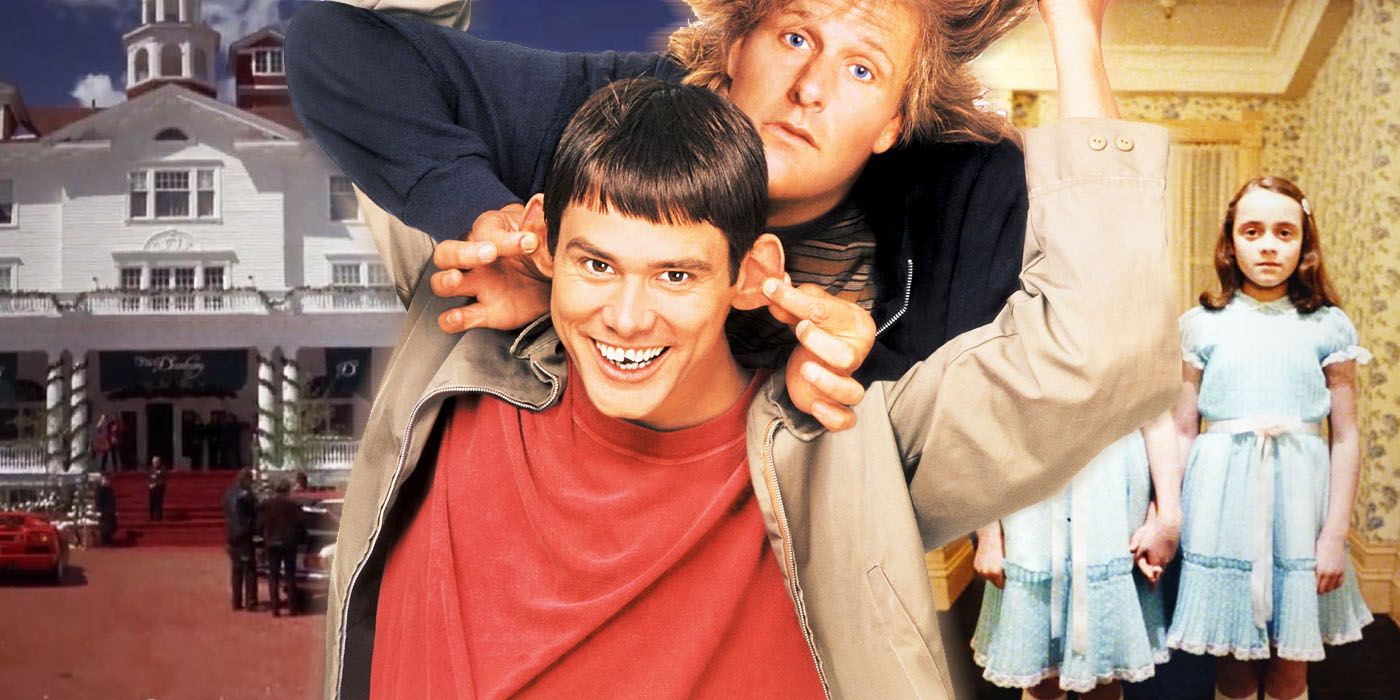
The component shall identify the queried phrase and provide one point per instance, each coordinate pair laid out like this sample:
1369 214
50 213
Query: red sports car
28 542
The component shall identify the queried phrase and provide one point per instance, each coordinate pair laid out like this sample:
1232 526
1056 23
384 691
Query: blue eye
796 41
861 72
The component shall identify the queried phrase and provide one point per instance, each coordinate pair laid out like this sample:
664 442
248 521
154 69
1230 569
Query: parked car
29 542
322 513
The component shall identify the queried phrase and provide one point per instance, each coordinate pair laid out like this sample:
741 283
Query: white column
186 57
53 415
291 411
78 456
267 407
131 65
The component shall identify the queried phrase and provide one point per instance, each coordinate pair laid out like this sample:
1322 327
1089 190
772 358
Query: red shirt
569 554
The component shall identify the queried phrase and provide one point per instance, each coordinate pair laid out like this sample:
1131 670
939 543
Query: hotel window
129 278
160 279
345 274
7 202
359 273
377 275
267 62
7 278
204 192
139 195
184 282
214 277
174 193
343 204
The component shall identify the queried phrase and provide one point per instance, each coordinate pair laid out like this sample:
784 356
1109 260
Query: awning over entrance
9 374
173 373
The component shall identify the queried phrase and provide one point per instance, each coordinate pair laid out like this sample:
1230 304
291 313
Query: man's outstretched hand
834 336
497 268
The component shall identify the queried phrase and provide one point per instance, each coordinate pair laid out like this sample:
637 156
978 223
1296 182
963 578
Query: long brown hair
941 96
1308 286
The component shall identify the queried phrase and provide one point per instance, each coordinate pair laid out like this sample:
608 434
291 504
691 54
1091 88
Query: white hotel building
193 267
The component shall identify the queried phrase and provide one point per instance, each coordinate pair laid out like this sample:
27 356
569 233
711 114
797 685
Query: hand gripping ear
763 261
533 221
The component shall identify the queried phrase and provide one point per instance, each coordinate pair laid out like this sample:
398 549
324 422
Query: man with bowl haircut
606 504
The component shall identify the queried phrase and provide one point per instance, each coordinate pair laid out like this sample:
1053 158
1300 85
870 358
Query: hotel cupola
172 44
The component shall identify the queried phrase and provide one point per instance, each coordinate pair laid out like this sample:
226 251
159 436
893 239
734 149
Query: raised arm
1076 29
434 125
1003 415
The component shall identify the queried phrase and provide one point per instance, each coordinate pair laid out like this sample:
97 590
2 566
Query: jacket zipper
790 564
908 289
398 468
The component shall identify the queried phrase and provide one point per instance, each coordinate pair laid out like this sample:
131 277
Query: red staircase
194 515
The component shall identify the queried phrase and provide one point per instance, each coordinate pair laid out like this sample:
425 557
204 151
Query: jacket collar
528 368
774 402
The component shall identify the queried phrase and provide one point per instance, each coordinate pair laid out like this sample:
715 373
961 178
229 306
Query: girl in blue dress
1267 499
1064 611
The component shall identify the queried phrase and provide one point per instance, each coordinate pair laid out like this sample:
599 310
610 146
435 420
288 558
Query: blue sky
52 48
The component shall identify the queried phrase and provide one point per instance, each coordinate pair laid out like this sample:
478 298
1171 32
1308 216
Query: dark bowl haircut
667 154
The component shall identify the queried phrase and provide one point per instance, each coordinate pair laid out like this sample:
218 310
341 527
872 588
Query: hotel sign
174 372
347 370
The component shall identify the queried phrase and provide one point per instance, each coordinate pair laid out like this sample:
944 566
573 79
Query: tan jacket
995 420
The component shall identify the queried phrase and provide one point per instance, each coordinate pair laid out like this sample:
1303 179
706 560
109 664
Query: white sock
1222 696
1304 696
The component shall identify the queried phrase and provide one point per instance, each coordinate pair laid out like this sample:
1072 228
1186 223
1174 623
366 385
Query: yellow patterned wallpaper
1351 153
1341 143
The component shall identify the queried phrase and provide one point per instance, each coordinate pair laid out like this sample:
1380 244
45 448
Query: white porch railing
22 459
27 305
176 301
343 299
331 453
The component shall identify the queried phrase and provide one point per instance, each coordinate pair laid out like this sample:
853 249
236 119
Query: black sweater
437 127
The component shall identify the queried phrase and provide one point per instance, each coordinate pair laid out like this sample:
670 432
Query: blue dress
1257 480
1026 632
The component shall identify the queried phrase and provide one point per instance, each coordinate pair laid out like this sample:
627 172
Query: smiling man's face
640 308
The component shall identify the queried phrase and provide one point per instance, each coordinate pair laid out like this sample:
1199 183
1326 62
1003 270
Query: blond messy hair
940 98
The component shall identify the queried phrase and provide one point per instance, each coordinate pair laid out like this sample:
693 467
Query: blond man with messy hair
941 94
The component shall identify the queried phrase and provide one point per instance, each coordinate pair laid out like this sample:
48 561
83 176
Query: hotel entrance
193 408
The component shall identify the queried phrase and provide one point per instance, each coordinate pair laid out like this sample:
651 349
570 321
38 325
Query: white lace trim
1252 653
1226 649
1351 352
1130 675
